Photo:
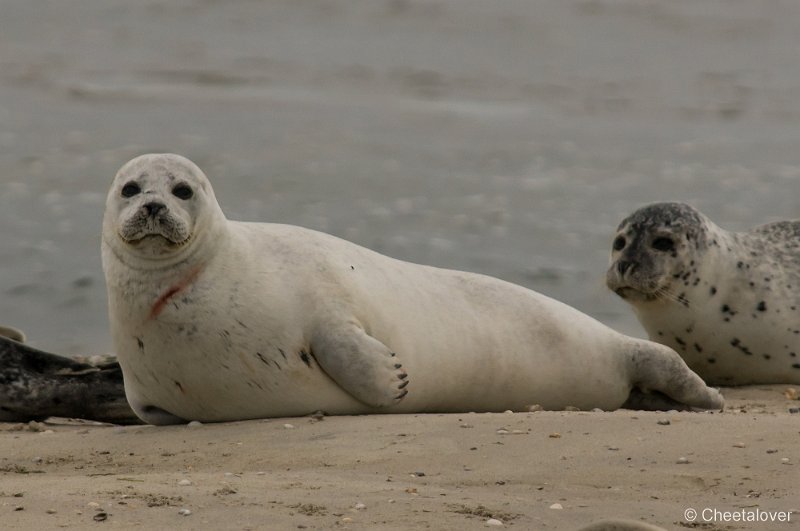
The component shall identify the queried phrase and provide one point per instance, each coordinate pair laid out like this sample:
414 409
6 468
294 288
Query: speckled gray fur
35 385
728 302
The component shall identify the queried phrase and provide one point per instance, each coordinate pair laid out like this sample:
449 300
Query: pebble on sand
494 522
359 506
739 445
184 512
289 426
682 461
194 424
664 422
184 483
557 506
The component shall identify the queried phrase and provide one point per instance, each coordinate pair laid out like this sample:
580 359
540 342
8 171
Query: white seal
217 320
728 302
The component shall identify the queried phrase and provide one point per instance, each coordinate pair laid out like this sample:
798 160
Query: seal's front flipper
361 365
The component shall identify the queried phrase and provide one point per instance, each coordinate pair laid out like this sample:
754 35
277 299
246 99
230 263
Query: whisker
665 293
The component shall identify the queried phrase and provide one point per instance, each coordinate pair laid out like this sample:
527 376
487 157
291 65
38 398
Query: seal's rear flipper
35 385
360 364
655 401
12 333
659 369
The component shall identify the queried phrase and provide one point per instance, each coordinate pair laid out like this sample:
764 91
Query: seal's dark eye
663 244
619 243
130 189
182 191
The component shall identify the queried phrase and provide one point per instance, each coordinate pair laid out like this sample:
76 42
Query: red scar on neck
162 301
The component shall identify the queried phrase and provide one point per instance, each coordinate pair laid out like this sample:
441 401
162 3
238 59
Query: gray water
504 137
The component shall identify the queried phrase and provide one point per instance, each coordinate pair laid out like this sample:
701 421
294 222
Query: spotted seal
35 385
727 302
217 320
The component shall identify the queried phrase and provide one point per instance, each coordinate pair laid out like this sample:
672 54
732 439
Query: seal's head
655 249
156 206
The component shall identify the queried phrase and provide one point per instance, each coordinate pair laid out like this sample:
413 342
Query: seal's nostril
154 208
623 266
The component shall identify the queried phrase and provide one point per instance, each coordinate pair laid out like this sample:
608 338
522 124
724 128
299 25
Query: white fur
467 342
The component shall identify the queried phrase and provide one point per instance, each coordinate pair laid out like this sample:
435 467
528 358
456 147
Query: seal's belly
734 353
225 373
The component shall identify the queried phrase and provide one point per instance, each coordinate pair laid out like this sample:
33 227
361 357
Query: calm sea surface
507 138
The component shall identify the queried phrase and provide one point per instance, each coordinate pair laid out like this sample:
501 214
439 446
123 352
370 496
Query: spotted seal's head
157 204
655 249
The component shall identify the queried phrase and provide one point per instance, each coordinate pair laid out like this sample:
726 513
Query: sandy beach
507 138
542 470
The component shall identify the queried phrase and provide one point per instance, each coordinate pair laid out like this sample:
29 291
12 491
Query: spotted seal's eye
182 191
663 244
619 243
130 189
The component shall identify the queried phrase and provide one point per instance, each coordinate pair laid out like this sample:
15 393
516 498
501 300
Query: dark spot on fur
262 358
680 341
179 386
726 308
712 360
304 356
762 306
352 268
796 365
698 348
792 354
282 353
660 333
766 356
241 324
56 400
713 290
735 342
140 343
